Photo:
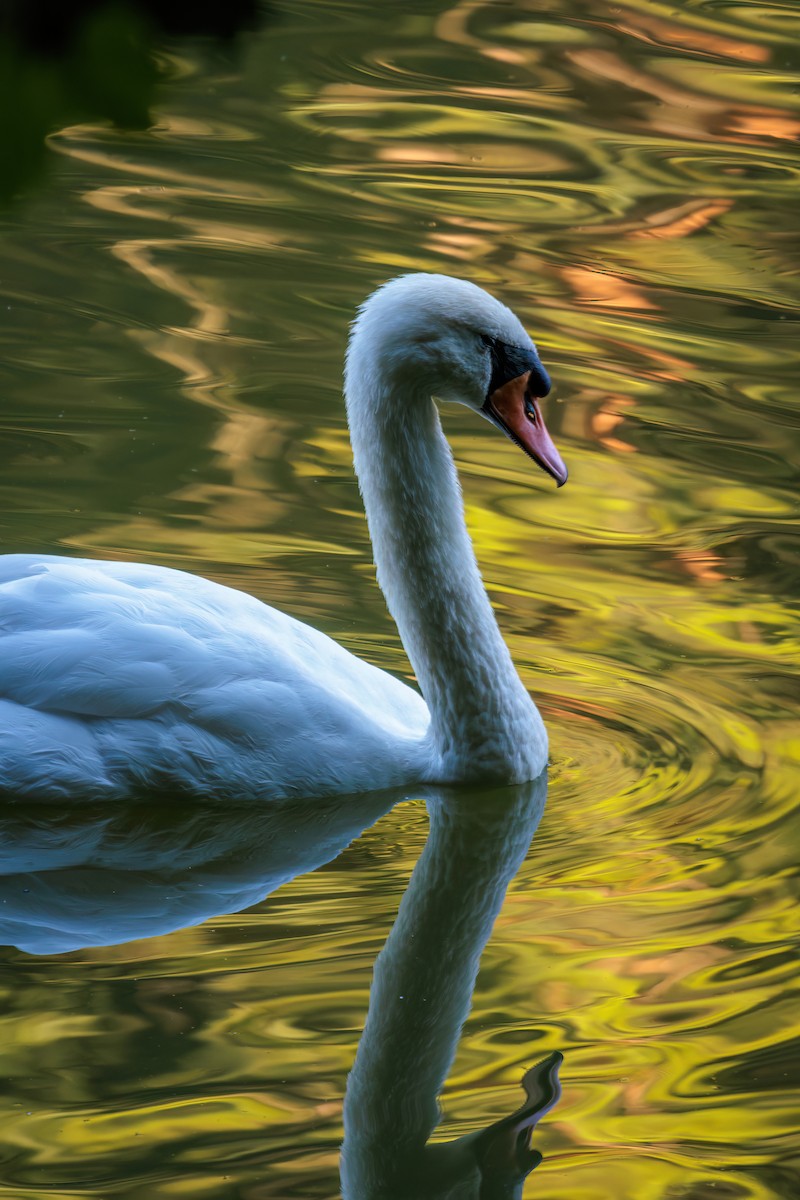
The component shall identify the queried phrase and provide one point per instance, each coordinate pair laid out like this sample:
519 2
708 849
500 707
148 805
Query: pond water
173 309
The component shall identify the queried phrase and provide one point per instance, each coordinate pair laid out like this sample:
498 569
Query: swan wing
118 677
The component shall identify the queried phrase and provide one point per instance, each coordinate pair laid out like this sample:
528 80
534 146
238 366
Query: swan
118 679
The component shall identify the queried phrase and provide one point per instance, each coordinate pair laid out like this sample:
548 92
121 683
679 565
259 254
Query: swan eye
509 362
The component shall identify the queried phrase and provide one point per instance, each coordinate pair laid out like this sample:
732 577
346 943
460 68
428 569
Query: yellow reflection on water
175 307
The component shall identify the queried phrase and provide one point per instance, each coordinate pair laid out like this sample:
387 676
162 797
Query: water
173 311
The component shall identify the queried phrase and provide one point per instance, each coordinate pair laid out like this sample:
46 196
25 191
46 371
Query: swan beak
517 412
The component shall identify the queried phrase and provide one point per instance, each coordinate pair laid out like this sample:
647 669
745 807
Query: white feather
118 678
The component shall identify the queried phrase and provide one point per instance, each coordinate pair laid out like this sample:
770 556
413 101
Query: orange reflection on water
703 565
679 111
603 288
657 30
683 219
766 125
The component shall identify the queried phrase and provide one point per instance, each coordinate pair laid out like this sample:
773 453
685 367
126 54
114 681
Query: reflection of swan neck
424 978
483 721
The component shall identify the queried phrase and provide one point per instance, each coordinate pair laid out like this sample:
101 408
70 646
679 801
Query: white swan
120 678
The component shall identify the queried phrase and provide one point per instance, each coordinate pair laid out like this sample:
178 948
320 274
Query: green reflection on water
174 307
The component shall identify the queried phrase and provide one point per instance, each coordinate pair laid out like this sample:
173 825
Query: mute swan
121 678
420 997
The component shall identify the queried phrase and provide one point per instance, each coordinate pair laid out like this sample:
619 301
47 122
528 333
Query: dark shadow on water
90 60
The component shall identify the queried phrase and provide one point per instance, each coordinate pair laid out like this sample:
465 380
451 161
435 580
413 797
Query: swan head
433 335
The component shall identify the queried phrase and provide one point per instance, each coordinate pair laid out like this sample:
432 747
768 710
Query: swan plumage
118 678
146 678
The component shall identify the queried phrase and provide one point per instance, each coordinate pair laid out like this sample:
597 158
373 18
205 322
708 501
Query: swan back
122 678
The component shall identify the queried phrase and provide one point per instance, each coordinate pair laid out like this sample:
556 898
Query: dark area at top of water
90 60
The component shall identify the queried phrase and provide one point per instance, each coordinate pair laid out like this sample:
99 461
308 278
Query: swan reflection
421 995
77 878
74 880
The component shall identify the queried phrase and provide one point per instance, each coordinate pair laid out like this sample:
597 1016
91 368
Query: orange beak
518 413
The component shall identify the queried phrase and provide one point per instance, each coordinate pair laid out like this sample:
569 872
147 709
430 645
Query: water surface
173 313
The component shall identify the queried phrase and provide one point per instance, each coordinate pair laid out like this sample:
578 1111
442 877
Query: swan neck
483 723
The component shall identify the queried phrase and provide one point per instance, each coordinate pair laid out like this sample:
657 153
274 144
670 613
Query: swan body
118 679
123 678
